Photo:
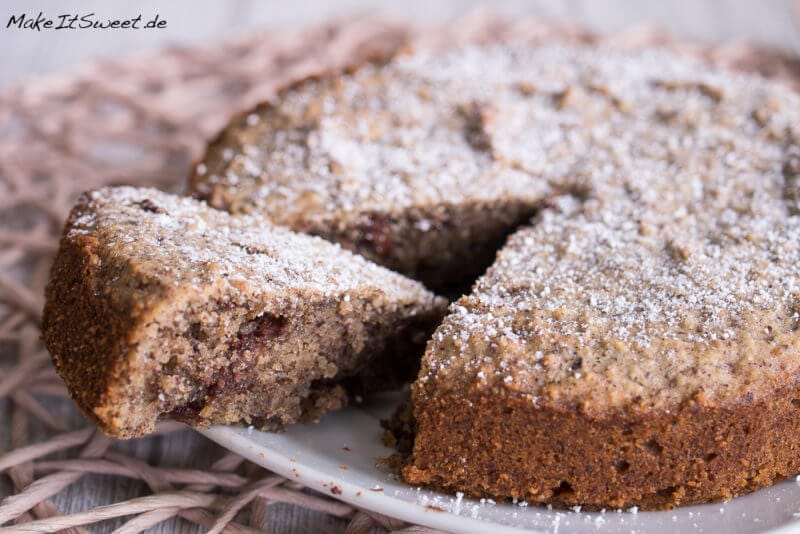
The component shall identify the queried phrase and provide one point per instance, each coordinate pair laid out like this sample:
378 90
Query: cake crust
160 307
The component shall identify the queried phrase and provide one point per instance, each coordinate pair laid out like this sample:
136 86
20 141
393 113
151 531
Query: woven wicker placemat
142 120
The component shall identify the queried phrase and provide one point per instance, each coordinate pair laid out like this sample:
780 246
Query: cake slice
161 307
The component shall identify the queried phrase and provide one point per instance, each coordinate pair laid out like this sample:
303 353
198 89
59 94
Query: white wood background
25 53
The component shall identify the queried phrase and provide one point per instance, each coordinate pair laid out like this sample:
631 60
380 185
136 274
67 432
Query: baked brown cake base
498 446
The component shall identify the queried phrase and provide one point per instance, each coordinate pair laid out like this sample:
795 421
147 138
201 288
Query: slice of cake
638 344
161 307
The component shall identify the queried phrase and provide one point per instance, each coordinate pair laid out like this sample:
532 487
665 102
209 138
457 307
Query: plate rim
229 438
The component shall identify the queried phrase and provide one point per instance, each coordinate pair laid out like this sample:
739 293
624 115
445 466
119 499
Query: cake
161 307
637 343
635 340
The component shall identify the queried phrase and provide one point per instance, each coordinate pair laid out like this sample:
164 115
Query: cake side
176 310
86 334
496 443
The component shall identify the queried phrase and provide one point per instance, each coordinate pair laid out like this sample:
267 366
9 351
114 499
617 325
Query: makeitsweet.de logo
87 21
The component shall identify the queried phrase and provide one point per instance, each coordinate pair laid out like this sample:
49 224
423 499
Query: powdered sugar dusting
671 239
179 241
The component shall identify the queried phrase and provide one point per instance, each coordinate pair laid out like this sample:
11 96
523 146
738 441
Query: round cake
636 342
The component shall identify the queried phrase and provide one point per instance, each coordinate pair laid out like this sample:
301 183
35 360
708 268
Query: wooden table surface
25 53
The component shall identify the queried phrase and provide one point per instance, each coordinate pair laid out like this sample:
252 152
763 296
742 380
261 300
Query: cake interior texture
160 307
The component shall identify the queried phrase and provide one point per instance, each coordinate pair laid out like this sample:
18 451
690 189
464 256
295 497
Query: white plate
338 456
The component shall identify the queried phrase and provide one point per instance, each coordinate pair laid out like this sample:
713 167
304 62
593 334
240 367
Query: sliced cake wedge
162 307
